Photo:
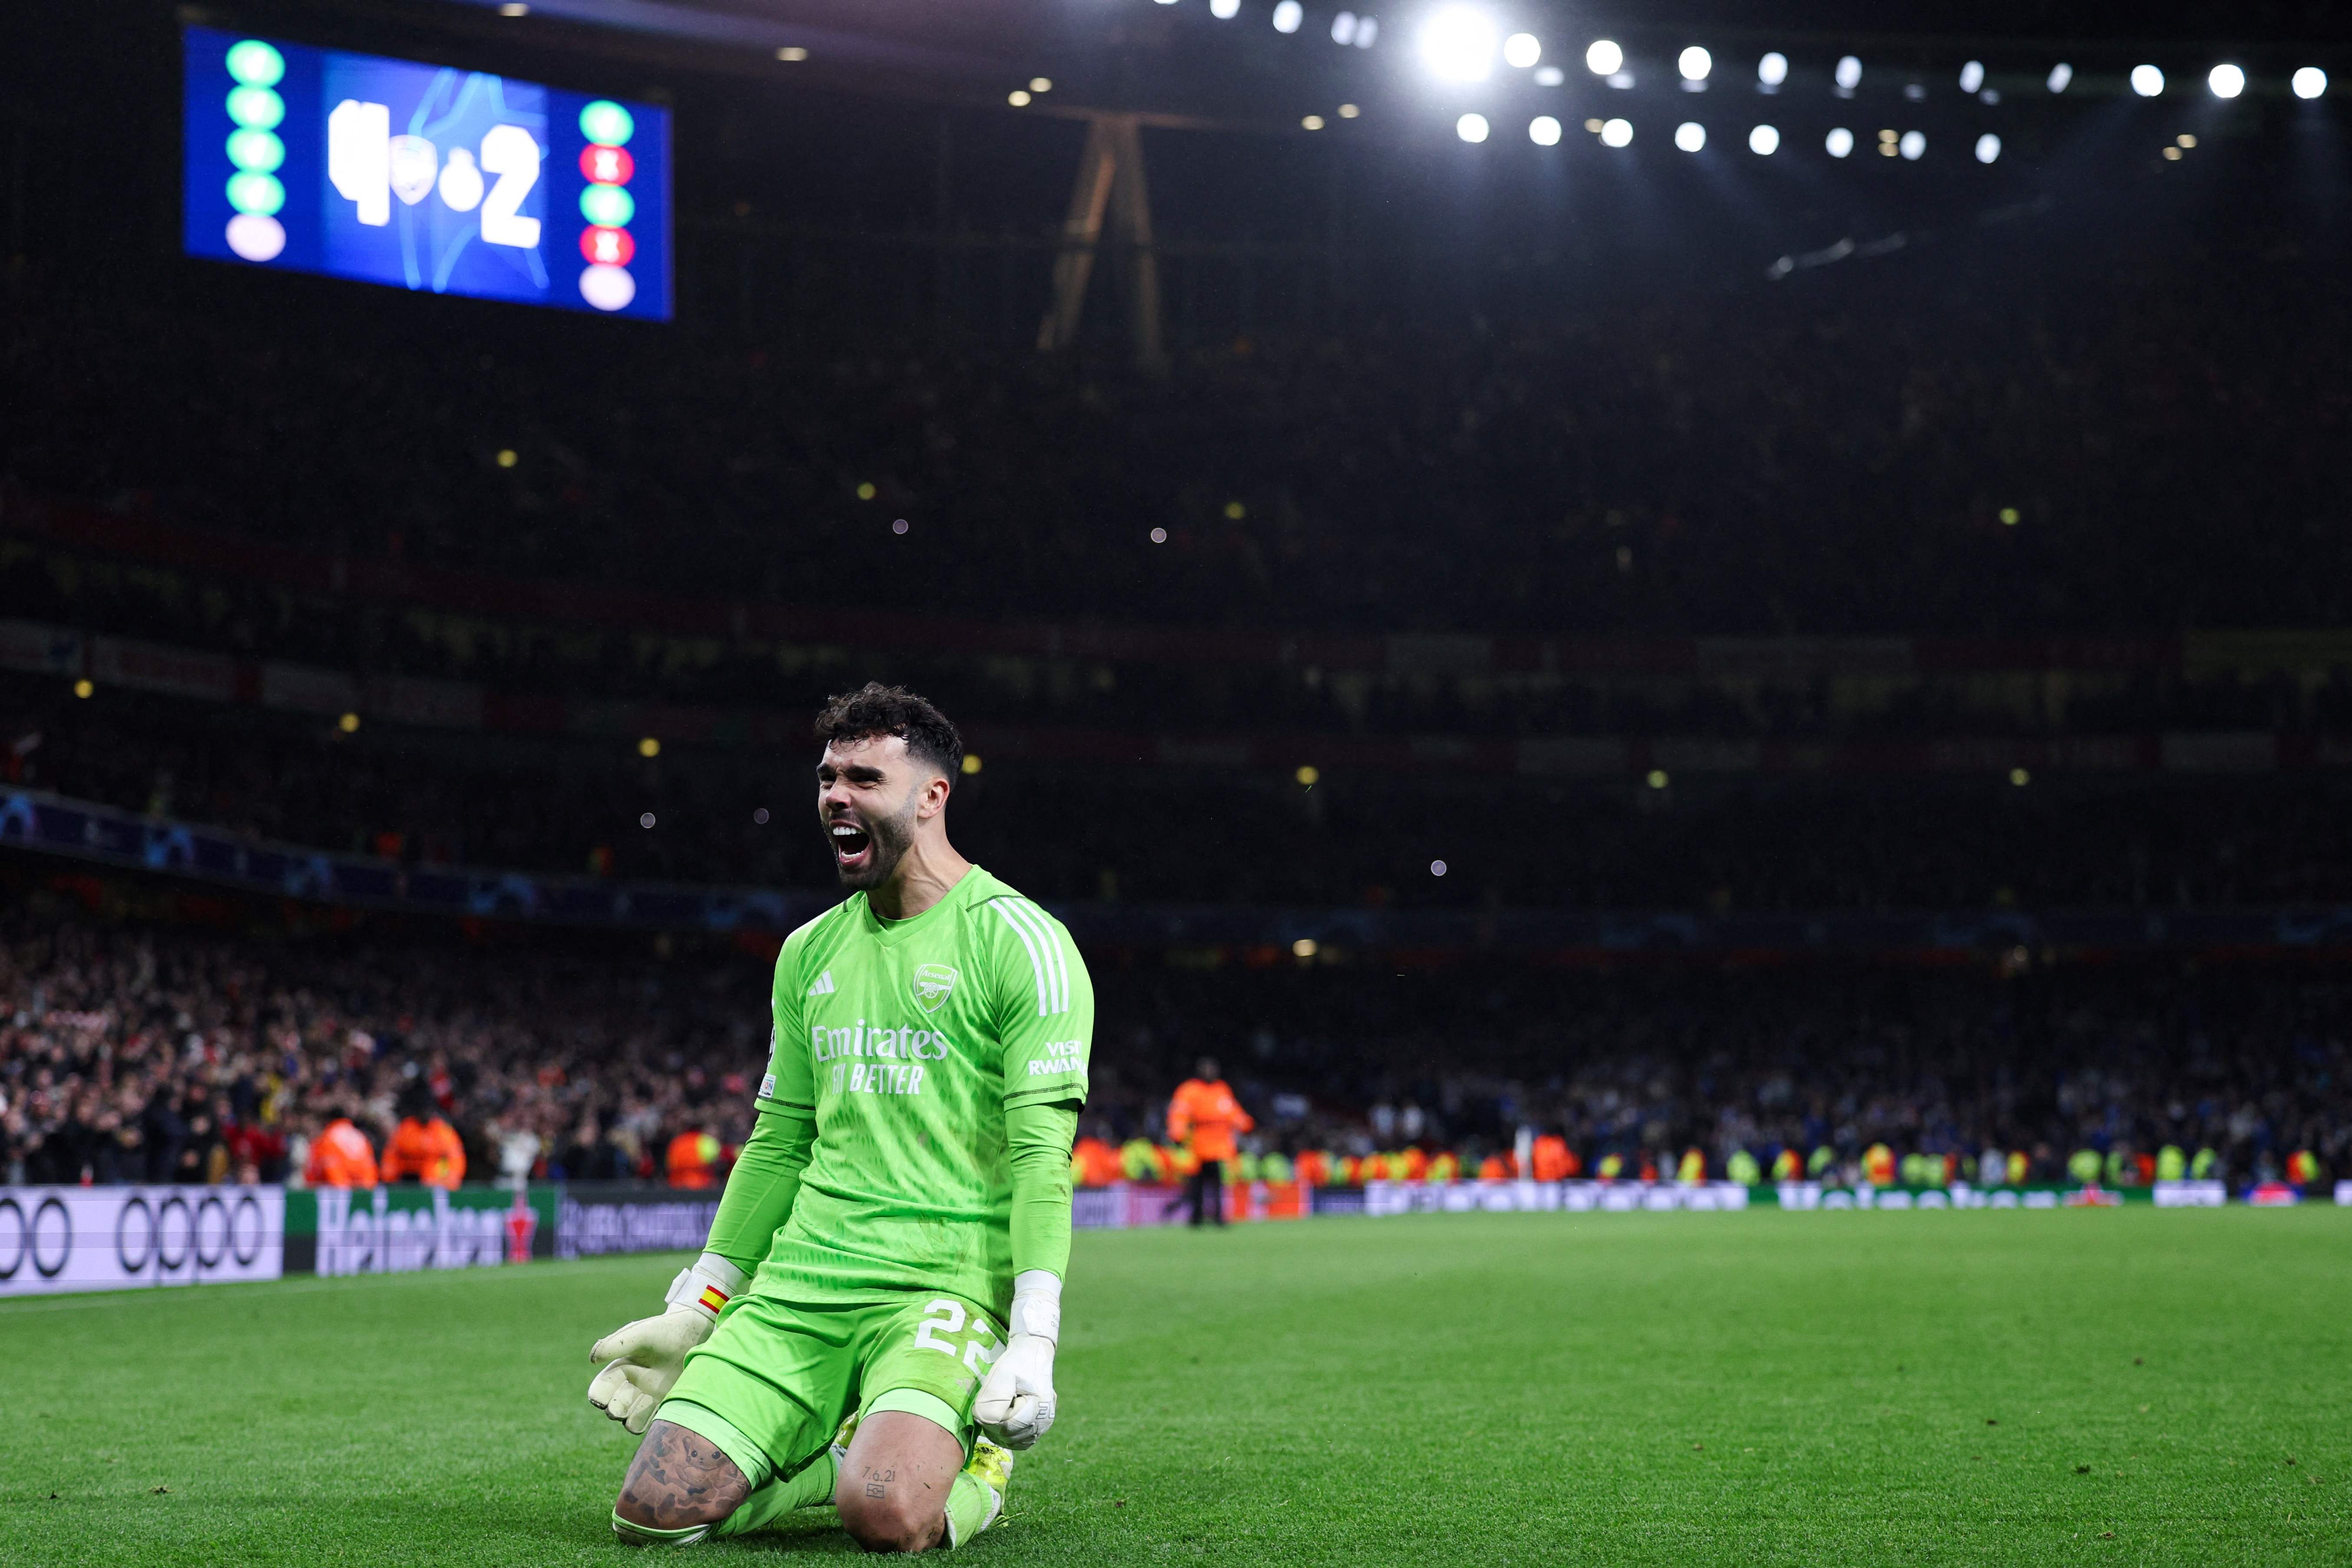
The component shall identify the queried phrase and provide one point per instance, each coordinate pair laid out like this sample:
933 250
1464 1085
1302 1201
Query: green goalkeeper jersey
908 1040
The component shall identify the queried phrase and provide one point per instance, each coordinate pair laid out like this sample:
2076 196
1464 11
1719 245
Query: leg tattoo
679 1479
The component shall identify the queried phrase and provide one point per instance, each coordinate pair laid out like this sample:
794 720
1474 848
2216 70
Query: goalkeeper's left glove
641 1361
1016 1399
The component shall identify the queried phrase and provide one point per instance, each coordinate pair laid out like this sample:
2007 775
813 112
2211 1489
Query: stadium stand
1787 597
154 1053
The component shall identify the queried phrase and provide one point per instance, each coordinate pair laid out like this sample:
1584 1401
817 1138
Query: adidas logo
823 986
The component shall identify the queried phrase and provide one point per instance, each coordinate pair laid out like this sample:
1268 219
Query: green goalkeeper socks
808 1487
972 1506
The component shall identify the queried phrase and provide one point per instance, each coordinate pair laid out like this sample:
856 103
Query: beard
890 838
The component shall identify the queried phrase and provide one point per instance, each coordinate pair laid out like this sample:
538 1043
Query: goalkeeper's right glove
642 1360
1015 1403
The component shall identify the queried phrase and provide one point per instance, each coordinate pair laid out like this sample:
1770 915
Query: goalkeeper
884 1274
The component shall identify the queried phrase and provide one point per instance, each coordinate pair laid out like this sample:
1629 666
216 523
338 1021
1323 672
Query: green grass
1467 1390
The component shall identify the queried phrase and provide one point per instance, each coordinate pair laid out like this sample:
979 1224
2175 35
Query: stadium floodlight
2309 82
1764 140
1471 128
1690 136
1544 131
1225 10
2226 81
1914 145
1287 15
1457 43
1987 147
1840 142
1849 73
1972 76
1695 63
1772 70
2147 80
1549 76
1617 133
1343 27
2061 75
1522 50
1368 31
1604 57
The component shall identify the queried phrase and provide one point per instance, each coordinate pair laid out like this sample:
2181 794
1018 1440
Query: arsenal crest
932 982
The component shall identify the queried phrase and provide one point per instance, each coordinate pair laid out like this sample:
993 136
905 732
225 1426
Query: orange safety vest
343 1157
429 1151
1096 1162
1553 1159
1207 1117
1313 1168
693 1159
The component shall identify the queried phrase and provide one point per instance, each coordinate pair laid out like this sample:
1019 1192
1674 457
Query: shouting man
884 1274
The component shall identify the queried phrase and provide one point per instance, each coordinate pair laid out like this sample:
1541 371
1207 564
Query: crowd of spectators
132 1055
158 1053
1855 1074
1352 838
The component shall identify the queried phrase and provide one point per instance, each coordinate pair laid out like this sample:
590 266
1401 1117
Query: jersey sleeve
1044 1004
791 1080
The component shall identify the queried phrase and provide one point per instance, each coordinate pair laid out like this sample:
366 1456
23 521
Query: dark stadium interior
1592 526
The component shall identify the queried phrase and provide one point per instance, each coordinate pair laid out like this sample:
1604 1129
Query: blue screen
423 176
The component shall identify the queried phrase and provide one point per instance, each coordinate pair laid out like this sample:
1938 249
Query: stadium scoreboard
423 176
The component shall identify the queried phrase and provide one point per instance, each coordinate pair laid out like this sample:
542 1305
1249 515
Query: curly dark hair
875 709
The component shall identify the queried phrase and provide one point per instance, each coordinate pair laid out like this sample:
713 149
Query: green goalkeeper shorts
776 1378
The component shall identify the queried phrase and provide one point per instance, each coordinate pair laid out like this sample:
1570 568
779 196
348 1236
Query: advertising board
55 1240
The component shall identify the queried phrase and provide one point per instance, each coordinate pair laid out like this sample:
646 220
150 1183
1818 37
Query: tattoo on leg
680 1479
877 1481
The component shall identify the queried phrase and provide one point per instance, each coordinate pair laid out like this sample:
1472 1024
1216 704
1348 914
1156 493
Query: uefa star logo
932 982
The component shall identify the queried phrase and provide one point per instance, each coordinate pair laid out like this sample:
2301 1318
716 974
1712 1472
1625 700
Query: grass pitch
1849 1389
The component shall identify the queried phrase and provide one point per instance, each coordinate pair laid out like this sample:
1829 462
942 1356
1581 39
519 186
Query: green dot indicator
606 123
258 151
256 64
607 206
255 108
255 194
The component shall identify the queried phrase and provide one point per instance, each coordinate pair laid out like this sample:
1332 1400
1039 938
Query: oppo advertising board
422 176
57 1239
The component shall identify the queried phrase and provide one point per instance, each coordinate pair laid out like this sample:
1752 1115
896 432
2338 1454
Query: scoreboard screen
423 176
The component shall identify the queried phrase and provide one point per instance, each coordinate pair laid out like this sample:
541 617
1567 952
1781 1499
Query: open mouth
852 845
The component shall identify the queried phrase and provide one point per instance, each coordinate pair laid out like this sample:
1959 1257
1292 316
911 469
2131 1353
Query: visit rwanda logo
932 983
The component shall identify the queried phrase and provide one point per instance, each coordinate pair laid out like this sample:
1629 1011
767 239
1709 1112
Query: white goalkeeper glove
642 1360
1016 1399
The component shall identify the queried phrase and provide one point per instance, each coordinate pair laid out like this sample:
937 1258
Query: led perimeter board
423 176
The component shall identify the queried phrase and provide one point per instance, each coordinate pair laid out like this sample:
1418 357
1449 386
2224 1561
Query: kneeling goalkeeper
884 1274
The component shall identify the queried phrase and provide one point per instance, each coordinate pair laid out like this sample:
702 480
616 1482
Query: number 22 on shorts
942 1317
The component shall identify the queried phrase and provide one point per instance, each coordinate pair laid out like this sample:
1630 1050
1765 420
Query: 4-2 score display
423 176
